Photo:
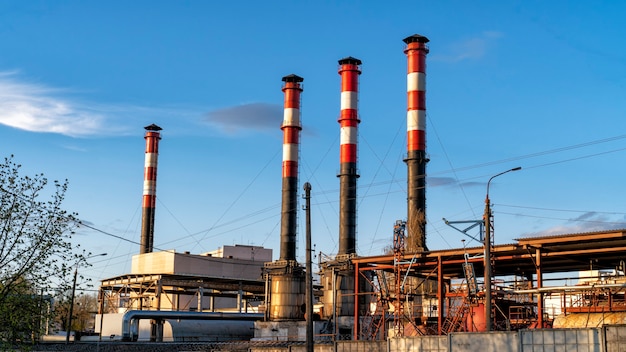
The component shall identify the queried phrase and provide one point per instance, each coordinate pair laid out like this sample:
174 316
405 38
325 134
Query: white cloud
38 108
469 49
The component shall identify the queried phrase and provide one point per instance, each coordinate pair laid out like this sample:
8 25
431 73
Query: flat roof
185 282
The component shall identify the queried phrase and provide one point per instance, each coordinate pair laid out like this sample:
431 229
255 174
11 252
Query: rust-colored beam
440 296
538 241
357 274
539 285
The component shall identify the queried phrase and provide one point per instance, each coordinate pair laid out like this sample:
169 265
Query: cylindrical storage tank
475 320
341 294
287 297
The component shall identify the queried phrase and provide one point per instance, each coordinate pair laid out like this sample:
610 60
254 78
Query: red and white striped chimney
349 121
416 160
152 138
291 141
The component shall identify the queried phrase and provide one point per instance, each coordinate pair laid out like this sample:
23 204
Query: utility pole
309 273
68 328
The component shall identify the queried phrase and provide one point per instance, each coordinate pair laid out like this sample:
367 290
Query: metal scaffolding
451 298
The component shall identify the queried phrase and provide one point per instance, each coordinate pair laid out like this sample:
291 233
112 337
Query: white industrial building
176 296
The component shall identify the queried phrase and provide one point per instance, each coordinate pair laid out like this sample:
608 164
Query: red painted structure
416 159
291 128
152 138
349 121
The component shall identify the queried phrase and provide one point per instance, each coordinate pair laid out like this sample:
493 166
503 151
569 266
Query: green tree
84 312
36 254
23 313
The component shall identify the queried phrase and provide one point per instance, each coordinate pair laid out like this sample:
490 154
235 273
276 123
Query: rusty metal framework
398 254
518 291
163 292
373 322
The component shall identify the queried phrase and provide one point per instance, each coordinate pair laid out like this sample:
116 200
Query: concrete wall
421 344
615 338
548 340
606 339
565 340
485 342
361 346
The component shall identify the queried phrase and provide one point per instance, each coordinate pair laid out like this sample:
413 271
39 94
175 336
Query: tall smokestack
152 138
416 160
285 276
291 139
349 122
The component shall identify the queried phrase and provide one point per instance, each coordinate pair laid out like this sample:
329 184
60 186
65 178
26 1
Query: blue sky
518 83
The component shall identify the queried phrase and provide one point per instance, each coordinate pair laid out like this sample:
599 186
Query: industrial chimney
349 121
416 159
286 278
152 138
338 276
291 139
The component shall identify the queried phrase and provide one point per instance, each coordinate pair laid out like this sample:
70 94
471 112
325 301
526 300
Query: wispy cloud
452 182
252 116
469 49
441 181
37 107
587 222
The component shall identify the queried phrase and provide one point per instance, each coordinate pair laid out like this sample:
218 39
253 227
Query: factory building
240 293
227 280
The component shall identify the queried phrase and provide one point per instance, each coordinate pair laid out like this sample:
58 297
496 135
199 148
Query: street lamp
69 317
487 259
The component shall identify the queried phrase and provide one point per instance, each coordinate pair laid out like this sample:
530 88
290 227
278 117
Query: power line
563 219
239 196
526 156
561 210
550 151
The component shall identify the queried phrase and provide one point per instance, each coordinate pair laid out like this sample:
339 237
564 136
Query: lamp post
487 263
71 312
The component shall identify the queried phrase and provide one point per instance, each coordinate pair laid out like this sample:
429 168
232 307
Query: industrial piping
349 121
130 319
291 128
152 138
416 159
